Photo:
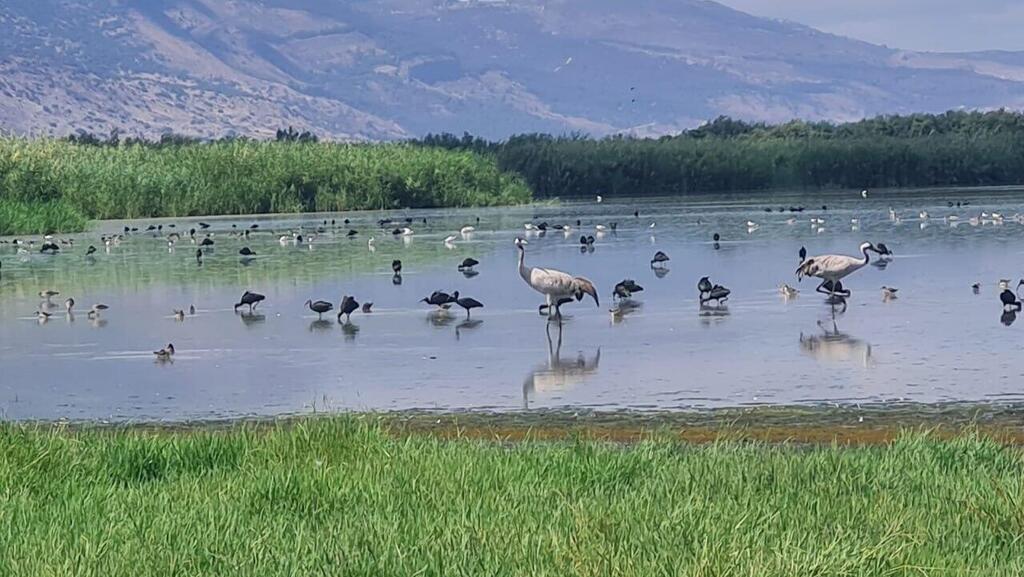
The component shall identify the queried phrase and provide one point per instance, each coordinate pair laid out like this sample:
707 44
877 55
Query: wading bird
718 293
468 264
788 291
555 285
468 303
704 286
347 306
47 295
625 289
319 307
165 353
367 308
251 299
396 266
440 299
659 259
888 293
833 267
96 309
803 254
246 251
69 304
1010 300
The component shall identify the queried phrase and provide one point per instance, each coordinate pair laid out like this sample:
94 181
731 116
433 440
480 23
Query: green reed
245 177
342 496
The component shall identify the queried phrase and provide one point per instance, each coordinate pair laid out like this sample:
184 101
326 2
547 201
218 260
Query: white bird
406 231
751 224
923 215
467 229
600 228
832 268
788 291
530 226
449 240
600 199
864 194
557 287
652 225
892 213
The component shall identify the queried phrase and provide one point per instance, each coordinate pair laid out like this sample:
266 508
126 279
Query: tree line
956 148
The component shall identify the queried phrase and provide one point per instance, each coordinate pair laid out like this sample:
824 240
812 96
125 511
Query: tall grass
338 497
247 177
19 217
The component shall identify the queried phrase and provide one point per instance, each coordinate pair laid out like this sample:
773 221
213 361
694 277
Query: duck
468 264
888 293
367 307
96 309
179 315
625 289
396 266
165 353
788 291
660 258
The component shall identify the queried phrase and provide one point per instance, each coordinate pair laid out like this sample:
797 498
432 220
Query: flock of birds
558 288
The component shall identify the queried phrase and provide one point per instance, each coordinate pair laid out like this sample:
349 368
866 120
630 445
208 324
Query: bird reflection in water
396 279
320 325
1008 317
350 330
97 322
440 318
558 374
713 313
835 346
252 319
466 325
624 308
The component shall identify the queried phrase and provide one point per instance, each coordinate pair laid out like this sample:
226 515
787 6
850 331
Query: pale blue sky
939 25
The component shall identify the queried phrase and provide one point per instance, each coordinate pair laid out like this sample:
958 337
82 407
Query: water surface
938 342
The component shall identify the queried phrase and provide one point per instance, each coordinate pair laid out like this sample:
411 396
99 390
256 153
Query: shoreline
847 425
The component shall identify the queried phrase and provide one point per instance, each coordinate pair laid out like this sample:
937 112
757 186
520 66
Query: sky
935 25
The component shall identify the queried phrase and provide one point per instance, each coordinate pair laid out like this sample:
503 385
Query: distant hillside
401 68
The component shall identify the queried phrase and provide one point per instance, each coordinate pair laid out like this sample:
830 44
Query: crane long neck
523 271
866 258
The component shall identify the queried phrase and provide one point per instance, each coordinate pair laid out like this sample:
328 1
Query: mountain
386 69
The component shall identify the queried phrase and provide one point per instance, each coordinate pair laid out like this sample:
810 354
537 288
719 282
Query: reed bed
344 496
243 177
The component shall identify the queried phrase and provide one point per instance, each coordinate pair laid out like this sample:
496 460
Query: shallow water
938 342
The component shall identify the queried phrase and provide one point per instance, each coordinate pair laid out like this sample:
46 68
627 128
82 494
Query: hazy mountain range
398 68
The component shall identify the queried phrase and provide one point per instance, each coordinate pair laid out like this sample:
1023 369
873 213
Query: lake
939 342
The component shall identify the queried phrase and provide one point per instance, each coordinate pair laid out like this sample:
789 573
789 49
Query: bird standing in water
251 299
347 307
468 303
319 307
165 353
557 287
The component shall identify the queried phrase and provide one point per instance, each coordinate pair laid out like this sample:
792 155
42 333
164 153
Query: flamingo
557 287
833 267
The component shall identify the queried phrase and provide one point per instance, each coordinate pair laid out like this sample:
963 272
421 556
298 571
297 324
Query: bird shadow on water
558 373
661 272
832 345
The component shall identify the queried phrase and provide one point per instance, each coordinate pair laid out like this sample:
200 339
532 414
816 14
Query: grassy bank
241 177
341 497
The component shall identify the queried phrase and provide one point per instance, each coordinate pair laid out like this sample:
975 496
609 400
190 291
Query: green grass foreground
238 177
337 496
